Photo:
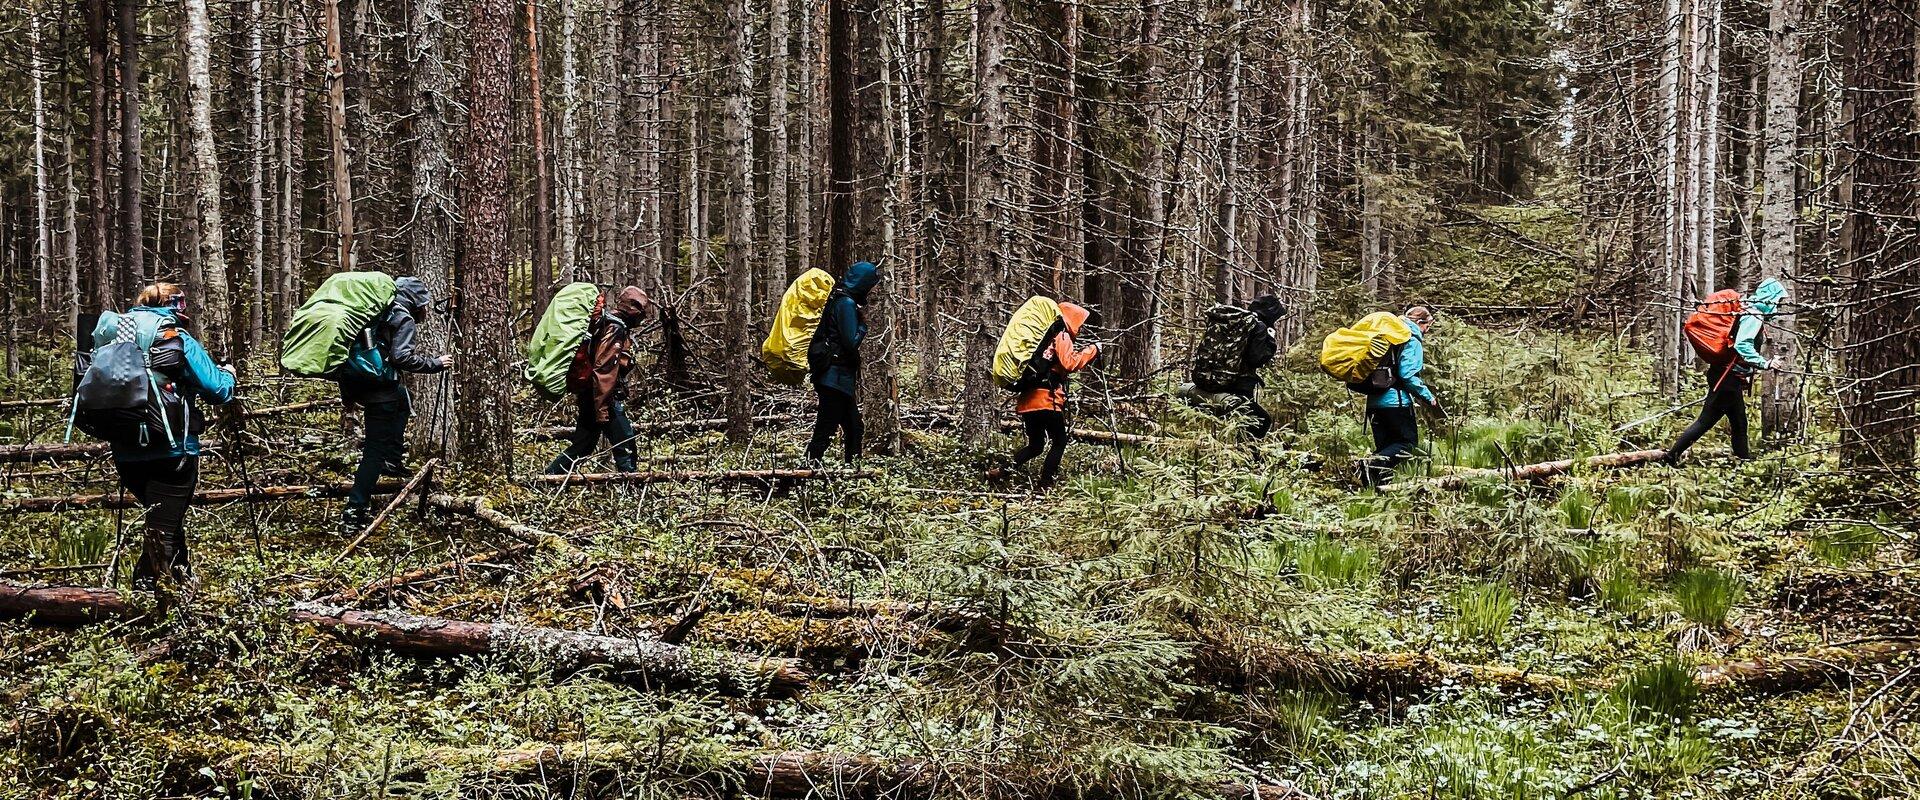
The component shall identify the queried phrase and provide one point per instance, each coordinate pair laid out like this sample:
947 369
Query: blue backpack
125 396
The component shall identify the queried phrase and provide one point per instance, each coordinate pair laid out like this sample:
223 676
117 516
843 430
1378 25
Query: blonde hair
159 294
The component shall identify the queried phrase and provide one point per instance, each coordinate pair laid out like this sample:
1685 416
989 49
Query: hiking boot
995 473
395 469
354 519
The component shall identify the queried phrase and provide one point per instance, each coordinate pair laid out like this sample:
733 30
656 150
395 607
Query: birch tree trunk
485 436
337 128
1780 410
737 129
42 235
568 152
216 308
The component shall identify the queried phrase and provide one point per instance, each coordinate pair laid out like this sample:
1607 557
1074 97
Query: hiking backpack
1019 358
785 351
334 325
824 346
125 396
1223 346
559 344
1366 355
1711 326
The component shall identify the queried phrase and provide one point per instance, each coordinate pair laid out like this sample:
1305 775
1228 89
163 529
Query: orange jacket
1067 359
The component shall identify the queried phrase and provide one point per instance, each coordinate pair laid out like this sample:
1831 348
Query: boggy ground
1186 619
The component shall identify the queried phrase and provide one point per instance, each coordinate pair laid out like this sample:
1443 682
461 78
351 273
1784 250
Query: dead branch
695 476
482 509
383 586
64 450
398 497
1810 669
1532 472
262 494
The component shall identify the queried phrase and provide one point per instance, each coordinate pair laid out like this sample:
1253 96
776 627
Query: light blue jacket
203 381
1413 359
1760 305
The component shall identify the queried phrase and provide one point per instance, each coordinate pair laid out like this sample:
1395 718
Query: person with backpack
163 472
598 381
1237 344
1731 371
833 362
1043 408
1396 431
371 380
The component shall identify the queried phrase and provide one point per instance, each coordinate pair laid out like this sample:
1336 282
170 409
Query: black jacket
1259 352
393 334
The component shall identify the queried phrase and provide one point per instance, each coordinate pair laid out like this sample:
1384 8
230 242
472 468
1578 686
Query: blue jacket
841 319
1760 305
1413 359
201 381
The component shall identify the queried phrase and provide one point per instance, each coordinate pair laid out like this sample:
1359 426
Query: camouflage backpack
1216 364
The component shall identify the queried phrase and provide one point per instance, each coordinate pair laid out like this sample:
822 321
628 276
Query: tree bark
779 246
105 285
841 62
216 305
293 128
569 151
542 185
42 234
63 605
132 242
257 176
989 216
485 439
739 209
430 234
337 128
1780 390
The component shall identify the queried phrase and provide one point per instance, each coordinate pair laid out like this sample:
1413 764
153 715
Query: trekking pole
238 459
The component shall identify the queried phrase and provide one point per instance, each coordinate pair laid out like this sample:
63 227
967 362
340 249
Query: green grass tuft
1483 612
1664 689
1328 564
1707 595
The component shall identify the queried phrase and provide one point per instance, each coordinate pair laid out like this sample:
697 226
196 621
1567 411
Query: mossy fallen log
696 476
1808 669
258 494
1531 472
64 605
558 432
480 508
641 661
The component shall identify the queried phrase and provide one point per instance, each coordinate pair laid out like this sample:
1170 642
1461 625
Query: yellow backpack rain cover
785 350
1021 338
1351 354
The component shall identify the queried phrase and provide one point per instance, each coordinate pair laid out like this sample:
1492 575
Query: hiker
600 389
833 362
163 474
1727 380
1043 409
1238 344
1396 432
384 398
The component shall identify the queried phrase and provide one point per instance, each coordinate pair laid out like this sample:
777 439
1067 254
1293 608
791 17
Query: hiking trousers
1046 430
1728 402
164 487
385 443
588 430
1254 419
1396 433
839 411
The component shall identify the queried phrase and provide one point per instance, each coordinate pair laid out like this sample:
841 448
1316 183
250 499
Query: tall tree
542 188
42 234
337 134
132 242
483 301
293 126
569 152
216 308
1780 208
430 236
840 188
988 213
101 212
256 174
736 130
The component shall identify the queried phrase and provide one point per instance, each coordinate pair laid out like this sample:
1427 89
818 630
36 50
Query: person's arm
1259 353
1068 357
400 330
846 323
608 349
213 384
1744 339
1413 359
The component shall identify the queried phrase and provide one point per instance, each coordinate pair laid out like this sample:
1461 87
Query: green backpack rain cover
562 329
323 328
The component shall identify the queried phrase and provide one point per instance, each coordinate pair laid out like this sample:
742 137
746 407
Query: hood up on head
1073 316
1268 308
860 278
632 305
409 293
1767 297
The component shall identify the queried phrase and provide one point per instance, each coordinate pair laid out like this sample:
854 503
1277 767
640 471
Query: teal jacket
1413 359
841 321
202 381
1763 303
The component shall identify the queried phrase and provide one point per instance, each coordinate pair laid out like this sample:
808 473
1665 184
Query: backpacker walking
371 379
597 380
1043 407
1725 332
155 443
1396 429
833 362
1237 344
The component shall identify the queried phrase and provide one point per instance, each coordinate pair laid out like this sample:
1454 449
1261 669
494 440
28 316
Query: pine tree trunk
293 128
42 235
936 195
216 304
568 153
132 248
542 186
483 302
430 234
337 128
1780 414
100 216
840 71
737 130
257 176
780 174
988 215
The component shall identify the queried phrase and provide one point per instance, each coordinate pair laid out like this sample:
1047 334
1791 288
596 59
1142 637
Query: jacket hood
1766 297
860 278
164 312
412 295
1073 316
1268 308
632 305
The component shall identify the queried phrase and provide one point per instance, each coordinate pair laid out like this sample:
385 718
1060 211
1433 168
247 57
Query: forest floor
1190 618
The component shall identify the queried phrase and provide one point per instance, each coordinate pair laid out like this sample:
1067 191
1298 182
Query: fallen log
547 433
1811 669
645 662
1531 472
45 402
63 605
62 450
694 476
261 494
481 508
290 408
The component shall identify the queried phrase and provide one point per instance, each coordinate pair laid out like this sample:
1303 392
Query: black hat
1268 308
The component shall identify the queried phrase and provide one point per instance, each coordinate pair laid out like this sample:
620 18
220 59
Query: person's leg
586 435
165 489
1735 409
1710 413
1396 433
1055 425
1036 429
855 429
825 421
386 426
619 432
1256 422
